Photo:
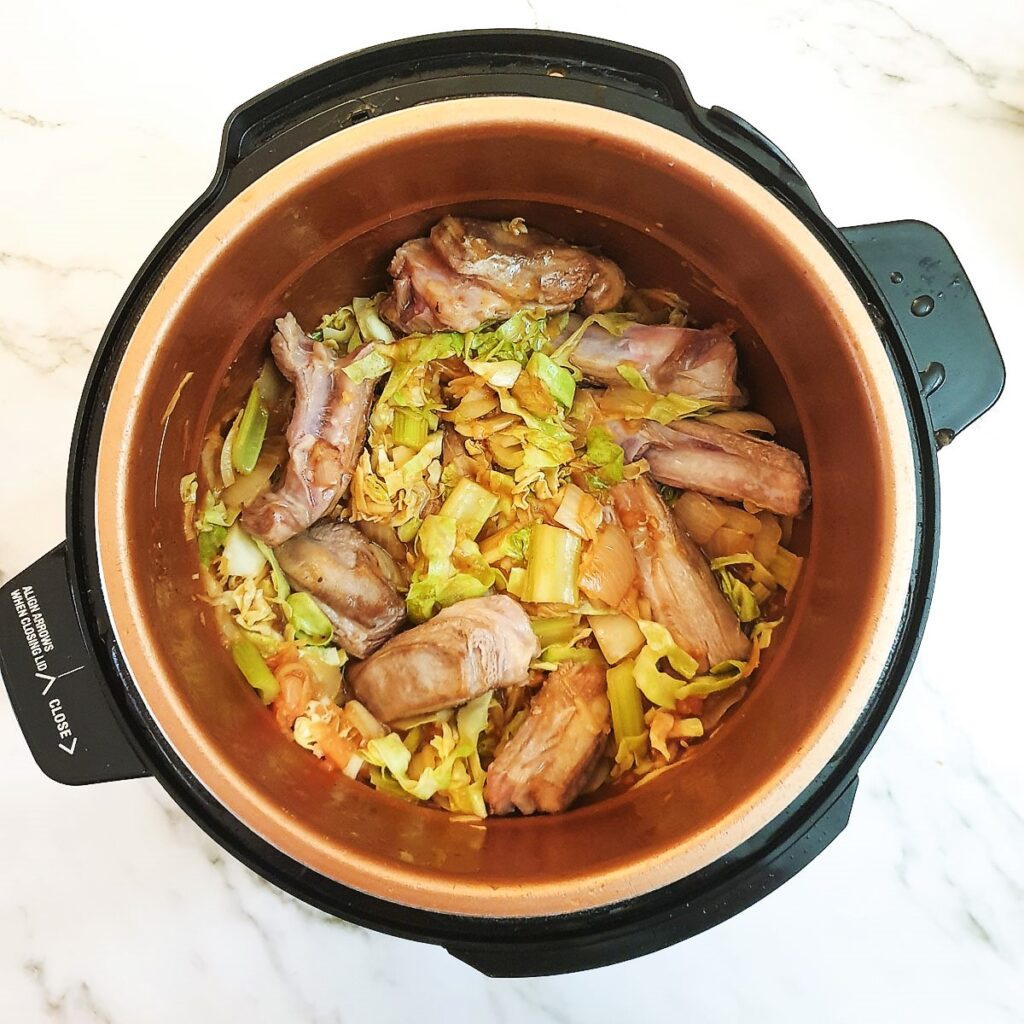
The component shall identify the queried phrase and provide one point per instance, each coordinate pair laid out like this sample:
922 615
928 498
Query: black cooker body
75 700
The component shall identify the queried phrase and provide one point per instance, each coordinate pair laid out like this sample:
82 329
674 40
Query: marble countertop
114 907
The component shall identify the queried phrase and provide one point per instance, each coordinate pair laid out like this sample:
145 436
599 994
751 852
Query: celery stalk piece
624 698
309 619
558 630
254 668
410 427
552 566
251 430
470 505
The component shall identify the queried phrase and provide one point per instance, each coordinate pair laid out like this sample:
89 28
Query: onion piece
609 567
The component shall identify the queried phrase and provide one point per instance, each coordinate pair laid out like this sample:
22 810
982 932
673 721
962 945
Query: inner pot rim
400 883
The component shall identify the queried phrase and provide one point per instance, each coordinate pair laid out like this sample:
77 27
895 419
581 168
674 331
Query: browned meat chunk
464 651
675 578
429 296
325 435
528 266
471 271
353 580
725 463
678 360
545 766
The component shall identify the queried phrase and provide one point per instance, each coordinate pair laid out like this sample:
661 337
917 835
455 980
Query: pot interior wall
329 236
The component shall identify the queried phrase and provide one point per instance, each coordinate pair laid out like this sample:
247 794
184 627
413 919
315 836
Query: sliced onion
608 567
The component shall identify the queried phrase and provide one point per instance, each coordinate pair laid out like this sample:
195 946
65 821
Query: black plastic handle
55 686
932 301
527 62
508 958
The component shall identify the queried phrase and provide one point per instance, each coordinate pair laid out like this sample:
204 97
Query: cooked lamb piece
545 766
715 460
470 271
464 651
676 579
352 579
676 360
325 435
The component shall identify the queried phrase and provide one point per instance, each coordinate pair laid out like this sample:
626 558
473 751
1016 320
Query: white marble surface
115 908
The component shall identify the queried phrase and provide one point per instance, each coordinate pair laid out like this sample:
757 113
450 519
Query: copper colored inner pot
320 228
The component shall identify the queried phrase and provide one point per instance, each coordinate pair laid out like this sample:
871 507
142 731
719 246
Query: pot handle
936 308
671 922
55 685
527 62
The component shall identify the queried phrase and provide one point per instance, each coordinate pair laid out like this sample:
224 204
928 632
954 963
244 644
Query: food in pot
668 358
716 460
548 762
352 579
467 649
325 435
469 272
501 535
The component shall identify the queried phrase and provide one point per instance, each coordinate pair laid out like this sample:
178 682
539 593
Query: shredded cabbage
659 687
456 773
448 570
740 597
632 376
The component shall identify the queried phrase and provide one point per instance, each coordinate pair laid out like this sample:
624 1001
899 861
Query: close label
40 646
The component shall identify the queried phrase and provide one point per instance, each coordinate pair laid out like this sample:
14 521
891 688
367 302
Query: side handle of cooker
54 683
673 921
932 300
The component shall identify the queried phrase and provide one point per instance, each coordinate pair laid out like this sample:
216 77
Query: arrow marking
71 749
50 680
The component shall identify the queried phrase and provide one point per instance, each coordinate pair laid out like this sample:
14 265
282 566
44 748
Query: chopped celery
309 619
617 635
251 429
410 427
255 670
552 570
516 582
470 505
271 384
242 556
511 542
555 654
558 630
557 379
624 698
